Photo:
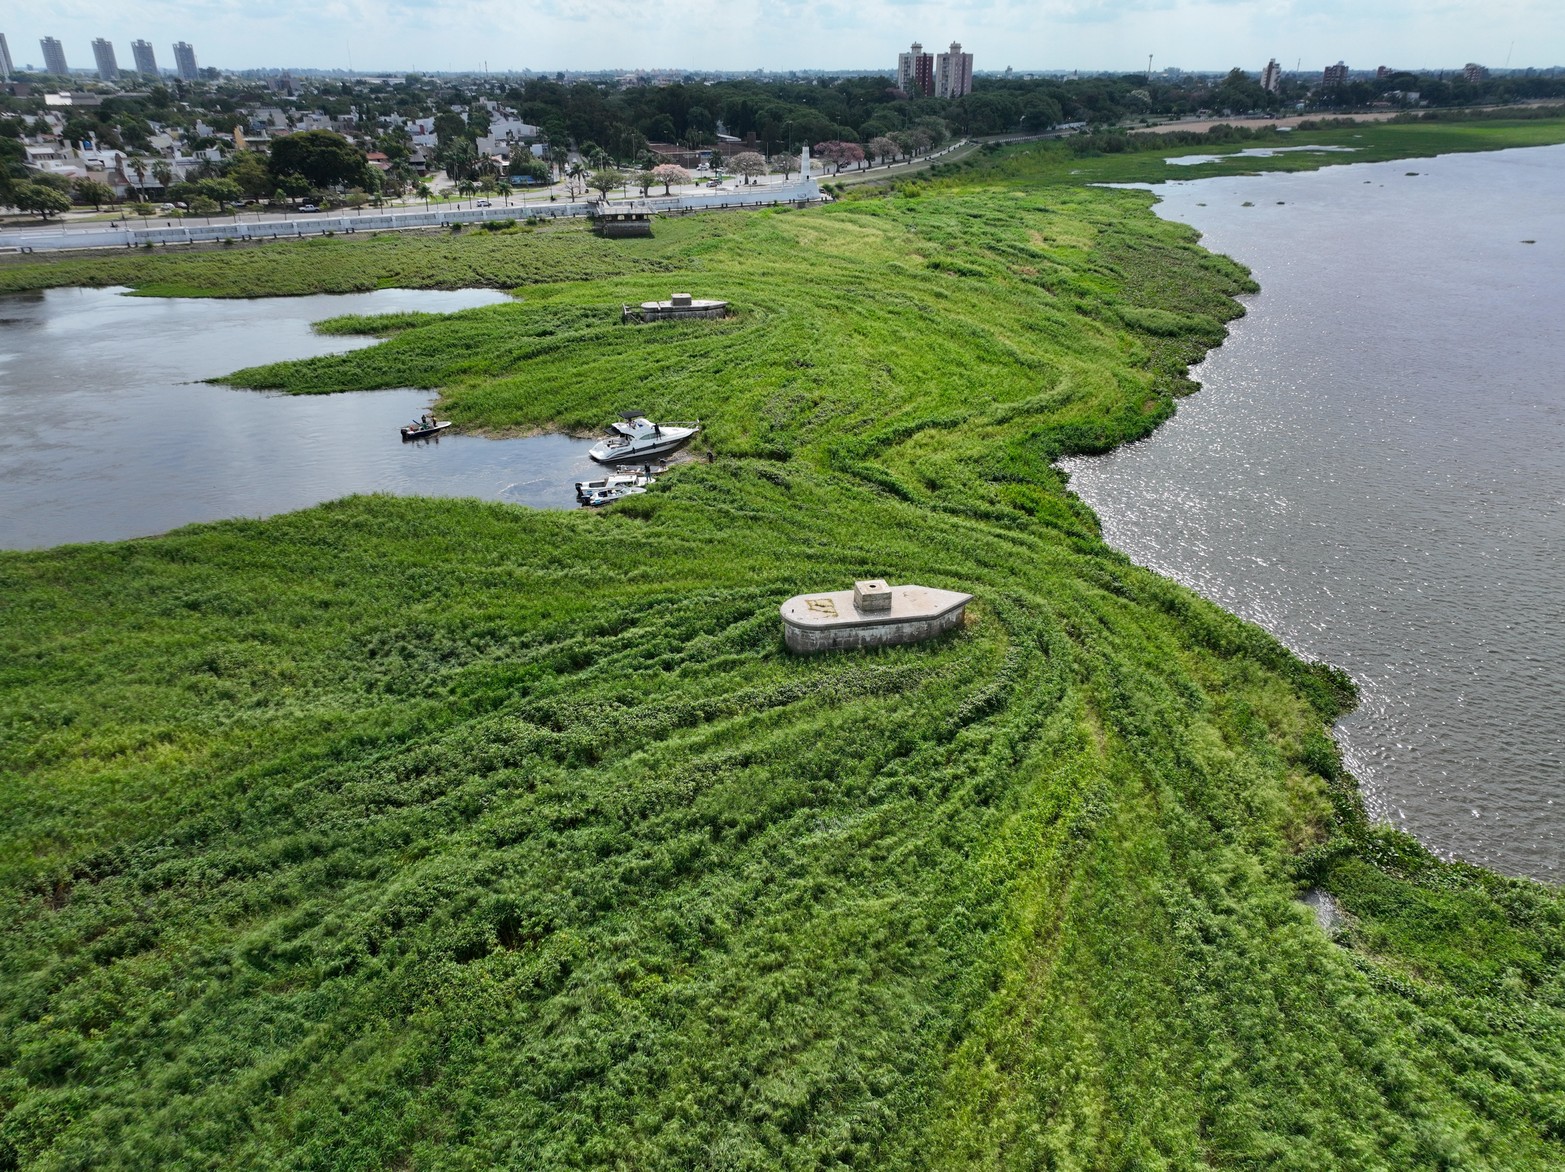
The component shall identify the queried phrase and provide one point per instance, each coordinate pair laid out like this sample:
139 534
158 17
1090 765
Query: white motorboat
635 438
585 488
607 496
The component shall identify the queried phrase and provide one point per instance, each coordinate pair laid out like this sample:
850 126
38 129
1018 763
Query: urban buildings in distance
948 76
105 60
185 61
916 71
1271 77
1334 75
953 73
103 54
146 60
53 56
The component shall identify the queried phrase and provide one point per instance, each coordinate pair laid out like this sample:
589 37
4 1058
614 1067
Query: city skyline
1090 35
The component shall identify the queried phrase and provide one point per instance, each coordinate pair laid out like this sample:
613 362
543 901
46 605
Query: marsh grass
451 834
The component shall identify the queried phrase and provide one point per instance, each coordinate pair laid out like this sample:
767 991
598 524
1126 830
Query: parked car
308 207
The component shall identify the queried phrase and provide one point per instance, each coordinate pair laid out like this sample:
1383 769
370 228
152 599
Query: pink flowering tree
837 152
669 174
750 164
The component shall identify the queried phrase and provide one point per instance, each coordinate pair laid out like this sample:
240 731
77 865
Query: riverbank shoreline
1438 753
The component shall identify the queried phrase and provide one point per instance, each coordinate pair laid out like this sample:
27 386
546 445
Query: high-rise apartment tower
103 54
953 73
5 59
146 60
916 71
185 61
1334 75
53 56
1271 76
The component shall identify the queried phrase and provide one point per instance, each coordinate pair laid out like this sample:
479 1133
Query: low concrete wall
807 640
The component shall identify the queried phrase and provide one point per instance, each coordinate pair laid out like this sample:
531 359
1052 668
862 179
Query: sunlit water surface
109 432
1374 470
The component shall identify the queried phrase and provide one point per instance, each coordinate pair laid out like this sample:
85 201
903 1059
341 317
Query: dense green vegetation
1125 157
449 834
426 260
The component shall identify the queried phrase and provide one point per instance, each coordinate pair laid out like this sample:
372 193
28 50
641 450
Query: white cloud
833 34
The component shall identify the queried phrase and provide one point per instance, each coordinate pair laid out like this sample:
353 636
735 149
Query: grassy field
1370 142
445 834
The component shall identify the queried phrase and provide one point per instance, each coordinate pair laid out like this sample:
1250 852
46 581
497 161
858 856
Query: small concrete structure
616 223
679 305
872 614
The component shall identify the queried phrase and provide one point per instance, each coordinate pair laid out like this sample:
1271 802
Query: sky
548 35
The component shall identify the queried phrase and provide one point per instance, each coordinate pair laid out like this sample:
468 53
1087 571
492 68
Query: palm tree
163 173
577 174
138 168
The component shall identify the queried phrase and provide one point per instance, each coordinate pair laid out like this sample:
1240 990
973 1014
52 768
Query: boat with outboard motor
636 438
607 496
425 425
586 488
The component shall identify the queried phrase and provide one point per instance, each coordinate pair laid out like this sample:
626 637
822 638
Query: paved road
200 230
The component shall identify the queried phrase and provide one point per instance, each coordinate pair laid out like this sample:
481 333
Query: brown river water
1374 471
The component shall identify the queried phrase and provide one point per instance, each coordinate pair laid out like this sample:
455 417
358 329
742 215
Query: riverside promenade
63 237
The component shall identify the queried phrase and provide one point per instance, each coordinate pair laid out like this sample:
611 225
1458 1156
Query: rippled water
110 434
1374 470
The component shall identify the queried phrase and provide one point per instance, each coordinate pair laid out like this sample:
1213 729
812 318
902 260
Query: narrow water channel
111 434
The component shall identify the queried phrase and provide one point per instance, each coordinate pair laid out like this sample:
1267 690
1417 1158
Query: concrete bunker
872 614
678 305
619 223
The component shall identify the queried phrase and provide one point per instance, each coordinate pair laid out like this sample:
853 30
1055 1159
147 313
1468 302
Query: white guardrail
46 240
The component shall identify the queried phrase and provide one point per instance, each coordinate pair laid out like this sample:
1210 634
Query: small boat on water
426 426
636 438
